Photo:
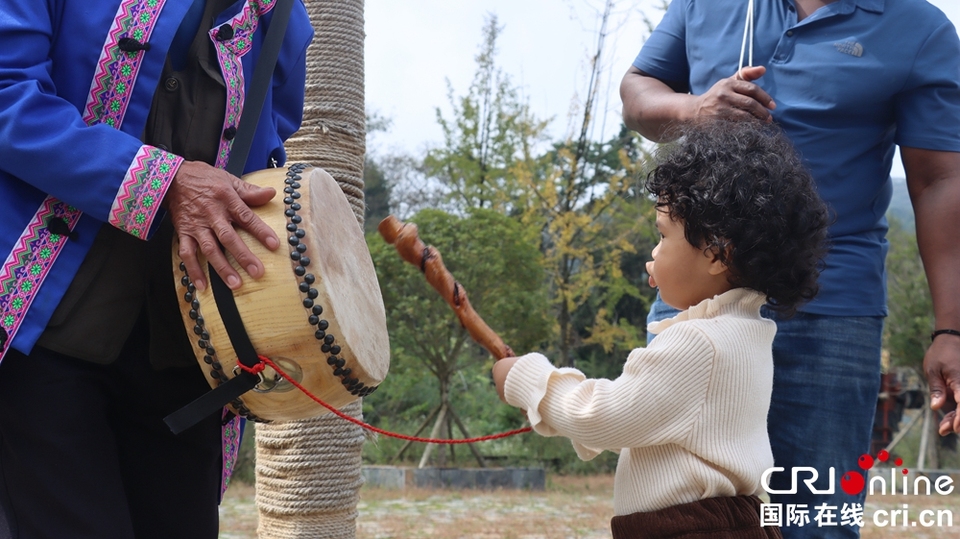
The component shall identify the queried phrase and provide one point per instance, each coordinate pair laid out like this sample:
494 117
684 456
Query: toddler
741 226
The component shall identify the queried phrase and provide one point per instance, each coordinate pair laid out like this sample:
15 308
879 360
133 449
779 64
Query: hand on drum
205 203
737 96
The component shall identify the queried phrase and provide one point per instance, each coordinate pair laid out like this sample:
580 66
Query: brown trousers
713 518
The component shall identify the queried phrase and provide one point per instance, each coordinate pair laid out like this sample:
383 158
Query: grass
571 507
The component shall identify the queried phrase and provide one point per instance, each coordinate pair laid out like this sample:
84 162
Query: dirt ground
569 508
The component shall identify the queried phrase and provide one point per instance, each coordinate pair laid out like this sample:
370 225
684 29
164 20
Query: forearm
650 106
640 408
937 210
933 179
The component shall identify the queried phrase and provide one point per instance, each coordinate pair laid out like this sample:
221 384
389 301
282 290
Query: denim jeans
825 387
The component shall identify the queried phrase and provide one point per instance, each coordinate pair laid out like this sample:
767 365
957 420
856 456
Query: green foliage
490 131
244 471
376 195
578 292
377 190
594 224
433 359
907 329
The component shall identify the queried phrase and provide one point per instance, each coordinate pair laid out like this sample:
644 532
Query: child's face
685 275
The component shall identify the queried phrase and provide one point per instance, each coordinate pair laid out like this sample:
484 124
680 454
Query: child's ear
717 265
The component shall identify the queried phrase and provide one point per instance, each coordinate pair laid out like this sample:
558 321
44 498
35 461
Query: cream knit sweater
688 415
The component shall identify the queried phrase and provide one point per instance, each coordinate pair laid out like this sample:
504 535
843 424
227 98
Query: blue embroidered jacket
76 86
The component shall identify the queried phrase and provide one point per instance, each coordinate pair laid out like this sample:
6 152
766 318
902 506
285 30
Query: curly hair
742 193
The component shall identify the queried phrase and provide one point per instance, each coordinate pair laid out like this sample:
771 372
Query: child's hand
500 370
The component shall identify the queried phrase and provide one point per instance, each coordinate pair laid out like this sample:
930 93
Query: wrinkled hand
941 364
500 370
737 97
205 203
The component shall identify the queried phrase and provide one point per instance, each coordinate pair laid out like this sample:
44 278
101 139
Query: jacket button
171 84
225 32
229 133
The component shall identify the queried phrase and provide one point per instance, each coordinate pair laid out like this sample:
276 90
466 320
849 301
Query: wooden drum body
317 312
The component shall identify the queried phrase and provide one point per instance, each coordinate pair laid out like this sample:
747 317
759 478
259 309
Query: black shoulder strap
217 398
257 94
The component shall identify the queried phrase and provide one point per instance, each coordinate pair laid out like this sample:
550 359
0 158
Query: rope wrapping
309 477
309 471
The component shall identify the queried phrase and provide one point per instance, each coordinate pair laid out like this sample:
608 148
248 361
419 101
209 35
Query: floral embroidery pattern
229 54
143 187
117 70
232 433
29 263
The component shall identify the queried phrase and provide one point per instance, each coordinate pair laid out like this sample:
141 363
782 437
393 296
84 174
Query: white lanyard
747 38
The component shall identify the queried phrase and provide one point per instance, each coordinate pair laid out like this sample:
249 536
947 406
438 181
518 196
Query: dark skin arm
651 105
205 203
933 179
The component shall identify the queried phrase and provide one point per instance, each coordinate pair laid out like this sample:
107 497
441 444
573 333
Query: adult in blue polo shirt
847 80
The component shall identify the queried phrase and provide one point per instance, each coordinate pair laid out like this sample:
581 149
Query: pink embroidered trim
231 437
29 264
229 54
117 70
143 187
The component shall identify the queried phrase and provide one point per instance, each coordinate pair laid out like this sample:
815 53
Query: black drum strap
229 391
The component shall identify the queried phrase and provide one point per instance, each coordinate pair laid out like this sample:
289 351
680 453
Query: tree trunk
308 472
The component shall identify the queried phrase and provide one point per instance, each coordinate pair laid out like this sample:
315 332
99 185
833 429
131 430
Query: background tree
576 203
377 190
439 376
491 129
585 204
907 329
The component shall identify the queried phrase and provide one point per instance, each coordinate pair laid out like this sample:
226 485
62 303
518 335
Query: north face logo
850 47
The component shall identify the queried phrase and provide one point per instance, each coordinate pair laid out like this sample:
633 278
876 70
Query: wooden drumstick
404 237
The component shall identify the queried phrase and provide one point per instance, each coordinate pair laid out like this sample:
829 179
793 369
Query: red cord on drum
265 361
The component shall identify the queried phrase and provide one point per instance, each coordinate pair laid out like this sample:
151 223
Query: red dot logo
865 462
852 483
883 455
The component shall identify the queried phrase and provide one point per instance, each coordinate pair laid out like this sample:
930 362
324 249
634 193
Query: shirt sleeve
928 107
655 401
664 54
95 168
290 77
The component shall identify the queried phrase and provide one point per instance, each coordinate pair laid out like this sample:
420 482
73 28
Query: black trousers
84 452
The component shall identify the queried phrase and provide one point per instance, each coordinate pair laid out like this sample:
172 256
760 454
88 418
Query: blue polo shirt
850 81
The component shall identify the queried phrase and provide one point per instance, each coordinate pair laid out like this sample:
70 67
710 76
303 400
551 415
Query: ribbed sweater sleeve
688 415
656 400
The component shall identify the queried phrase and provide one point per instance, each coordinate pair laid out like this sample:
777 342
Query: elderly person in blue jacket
116 121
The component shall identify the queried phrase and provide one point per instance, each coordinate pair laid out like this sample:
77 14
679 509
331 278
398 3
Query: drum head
317 312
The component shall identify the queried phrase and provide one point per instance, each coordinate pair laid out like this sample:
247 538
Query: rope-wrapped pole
405 237
309 471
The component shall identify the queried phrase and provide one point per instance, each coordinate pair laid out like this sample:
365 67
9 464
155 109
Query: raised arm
651 105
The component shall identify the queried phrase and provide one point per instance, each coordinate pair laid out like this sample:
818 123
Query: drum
317 312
